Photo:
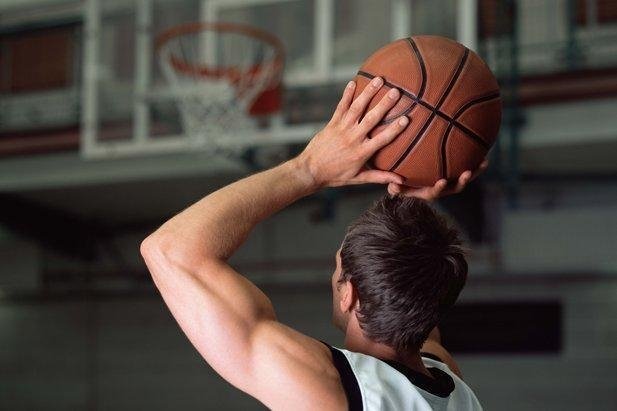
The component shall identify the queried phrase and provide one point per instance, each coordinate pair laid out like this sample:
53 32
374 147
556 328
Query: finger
345 101
483 164
385 137
462 182
481 168
437 190
378 177
359 105
423 192
376 114
394 189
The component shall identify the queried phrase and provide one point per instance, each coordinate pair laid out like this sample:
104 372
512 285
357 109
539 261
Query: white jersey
372 384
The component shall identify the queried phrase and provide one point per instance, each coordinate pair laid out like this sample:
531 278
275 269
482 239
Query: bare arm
433 346
227 318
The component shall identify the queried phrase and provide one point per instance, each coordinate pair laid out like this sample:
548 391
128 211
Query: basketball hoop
223 76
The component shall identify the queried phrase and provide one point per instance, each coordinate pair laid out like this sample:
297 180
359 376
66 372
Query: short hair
407 266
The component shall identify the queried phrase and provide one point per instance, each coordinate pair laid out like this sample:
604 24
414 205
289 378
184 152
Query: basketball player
398 268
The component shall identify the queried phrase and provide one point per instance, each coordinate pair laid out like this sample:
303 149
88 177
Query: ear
349 297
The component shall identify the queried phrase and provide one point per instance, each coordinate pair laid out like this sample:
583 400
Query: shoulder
346 366
293 368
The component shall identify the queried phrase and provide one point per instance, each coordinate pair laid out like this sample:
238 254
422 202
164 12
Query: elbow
162 251
152 250
158 244
155 252
148 247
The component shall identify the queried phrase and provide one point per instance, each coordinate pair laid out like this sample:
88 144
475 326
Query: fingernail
403 120
393 93
351 84
377 82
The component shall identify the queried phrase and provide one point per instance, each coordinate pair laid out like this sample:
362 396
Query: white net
218 73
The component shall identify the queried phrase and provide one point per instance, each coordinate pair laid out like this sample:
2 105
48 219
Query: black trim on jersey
348 379
431 356
440 385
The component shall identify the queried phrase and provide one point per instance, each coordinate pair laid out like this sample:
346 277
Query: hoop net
223 75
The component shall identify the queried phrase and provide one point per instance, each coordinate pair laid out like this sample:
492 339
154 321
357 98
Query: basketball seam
443 160
459 69
418 55
473 102
452 121
426 105
460 112
408 110
444 95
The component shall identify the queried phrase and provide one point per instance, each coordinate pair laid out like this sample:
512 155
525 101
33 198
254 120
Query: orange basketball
452 99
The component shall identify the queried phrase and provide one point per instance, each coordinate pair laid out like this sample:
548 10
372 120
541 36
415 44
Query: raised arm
227 318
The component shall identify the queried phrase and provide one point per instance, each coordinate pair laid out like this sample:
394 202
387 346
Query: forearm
215 226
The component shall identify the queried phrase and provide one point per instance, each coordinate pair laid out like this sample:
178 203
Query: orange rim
232 73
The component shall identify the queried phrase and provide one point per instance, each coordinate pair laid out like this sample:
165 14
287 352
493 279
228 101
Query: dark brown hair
407 265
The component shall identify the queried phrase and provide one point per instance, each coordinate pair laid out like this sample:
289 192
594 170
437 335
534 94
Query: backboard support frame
141 141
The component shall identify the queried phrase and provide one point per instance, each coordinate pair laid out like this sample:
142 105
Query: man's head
399 267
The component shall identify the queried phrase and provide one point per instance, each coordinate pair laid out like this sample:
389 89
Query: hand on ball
441 187
337 154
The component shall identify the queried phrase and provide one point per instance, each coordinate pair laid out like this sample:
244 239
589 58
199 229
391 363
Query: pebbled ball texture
452 99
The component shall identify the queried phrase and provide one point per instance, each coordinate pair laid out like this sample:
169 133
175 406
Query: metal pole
208 12
90 91
401 19
467 23
324 37
573 52
143 71
514 109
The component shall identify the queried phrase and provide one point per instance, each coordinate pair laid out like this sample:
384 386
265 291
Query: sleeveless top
372 384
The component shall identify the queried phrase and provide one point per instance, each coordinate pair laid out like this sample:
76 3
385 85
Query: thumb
378 177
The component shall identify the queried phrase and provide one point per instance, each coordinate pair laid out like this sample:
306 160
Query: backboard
127 108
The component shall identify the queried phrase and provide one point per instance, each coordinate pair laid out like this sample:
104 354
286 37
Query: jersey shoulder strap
371 384
374 384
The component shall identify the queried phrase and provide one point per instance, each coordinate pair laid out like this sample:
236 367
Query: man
398 268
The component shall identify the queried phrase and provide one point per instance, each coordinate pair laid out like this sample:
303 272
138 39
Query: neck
357 342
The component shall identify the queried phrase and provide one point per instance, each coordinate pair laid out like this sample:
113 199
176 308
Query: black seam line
468 133
414 47
403 113
471 103
426 105
420 135
415 100
403 91
444 161
446 135
457 73
407 94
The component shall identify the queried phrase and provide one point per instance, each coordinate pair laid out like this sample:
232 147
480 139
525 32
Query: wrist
301 169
